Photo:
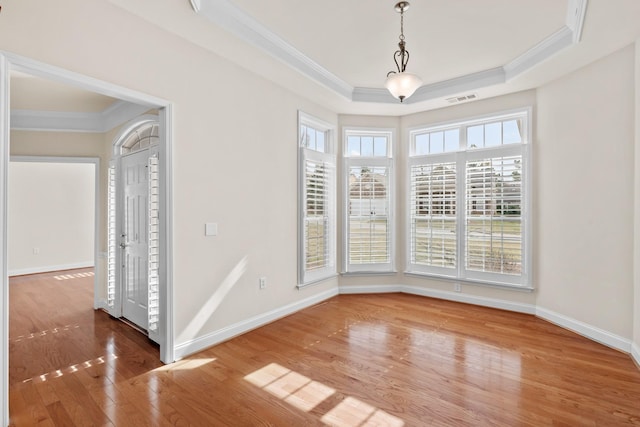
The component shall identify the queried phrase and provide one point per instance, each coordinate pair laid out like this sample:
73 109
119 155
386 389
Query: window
468 200
368 178
317 223
143 136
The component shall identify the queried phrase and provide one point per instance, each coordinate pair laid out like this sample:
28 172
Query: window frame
460 157
387 161
308 277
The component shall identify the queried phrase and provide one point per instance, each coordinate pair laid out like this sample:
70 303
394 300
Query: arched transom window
143 136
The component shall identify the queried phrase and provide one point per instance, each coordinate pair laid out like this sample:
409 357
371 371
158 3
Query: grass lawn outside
493 243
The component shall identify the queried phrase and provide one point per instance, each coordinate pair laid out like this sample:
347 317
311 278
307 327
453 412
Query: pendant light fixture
400 83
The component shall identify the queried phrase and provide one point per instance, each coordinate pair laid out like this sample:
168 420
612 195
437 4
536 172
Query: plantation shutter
153 310
369 233
111 237
317 214
433 222
494 242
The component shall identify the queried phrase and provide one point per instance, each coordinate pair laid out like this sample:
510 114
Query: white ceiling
356 39
485 47
338 53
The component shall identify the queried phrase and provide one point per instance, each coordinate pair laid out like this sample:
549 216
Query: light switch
211 229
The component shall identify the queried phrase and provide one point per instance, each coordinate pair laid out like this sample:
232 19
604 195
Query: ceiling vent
462 98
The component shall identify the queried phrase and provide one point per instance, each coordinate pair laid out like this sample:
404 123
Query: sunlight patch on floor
292 387
74 276
353 412
305 394
44 333
185 365
71 369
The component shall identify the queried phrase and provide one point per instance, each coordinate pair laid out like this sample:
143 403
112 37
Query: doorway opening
129 101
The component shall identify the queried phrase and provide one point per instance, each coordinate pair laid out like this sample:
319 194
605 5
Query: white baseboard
470 299
635 353
445 295
101 304
193 346
370 289
586 330
50 268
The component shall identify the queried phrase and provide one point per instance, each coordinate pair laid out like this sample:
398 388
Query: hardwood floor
391 359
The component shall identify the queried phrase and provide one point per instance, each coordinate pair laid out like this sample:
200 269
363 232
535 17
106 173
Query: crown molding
121 112
548 47
576 13
55 121
115 115
227 15
466 83
196 5
435 90
374 94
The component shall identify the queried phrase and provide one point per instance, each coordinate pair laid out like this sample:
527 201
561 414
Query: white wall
69 144
234 154
51 216
584 169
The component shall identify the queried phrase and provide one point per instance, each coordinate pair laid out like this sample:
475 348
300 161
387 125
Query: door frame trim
10 61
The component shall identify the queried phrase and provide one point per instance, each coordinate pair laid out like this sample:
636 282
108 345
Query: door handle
123 245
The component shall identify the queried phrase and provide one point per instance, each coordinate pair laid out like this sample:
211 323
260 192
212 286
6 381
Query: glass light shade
402 85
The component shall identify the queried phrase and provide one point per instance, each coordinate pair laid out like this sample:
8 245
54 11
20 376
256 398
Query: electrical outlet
457 287
36 251
263 282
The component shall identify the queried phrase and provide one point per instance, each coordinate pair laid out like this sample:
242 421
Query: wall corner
636 214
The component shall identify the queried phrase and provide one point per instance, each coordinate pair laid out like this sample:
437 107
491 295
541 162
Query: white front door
134 238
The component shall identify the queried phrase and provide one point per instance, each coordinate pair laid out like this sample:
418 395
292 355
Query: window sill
317 281
506 286
369 273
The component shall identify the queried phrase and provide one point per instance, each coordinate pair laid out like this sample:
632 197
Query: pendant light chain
402 25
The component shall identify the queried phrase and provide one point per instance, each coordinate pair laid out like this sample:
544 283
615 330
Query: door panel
135 238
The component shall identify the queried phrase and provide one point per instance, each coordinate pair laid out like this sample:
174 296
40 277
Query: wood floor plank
35 406
394 360
59 415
